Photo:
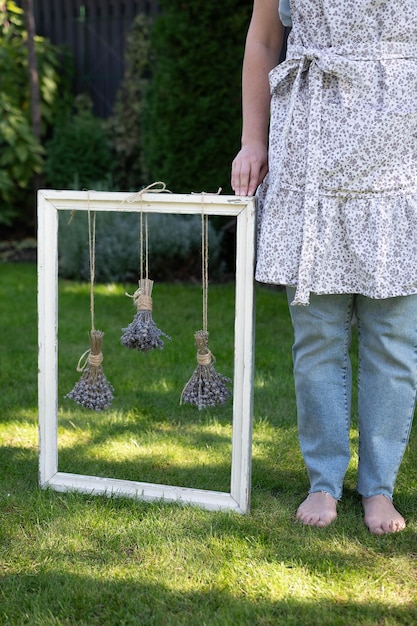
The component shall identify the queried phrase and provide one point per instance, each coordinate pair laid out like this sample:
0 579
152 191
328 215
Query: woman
334 153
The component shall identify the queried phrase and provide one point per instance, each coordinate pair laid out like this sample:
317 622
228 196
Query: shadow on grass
215 477
19 469
52 597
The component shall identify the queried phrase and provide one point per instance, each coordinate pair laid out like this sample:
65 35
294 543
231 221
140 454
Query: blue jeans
387 383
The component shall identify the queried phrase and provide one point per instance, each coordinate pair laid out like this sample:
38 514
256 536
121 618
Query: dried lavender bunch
93 391
206 387
142 334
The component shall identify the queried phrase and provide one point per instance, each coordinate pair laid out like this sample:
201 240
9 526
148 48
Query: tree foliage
192 121
21 153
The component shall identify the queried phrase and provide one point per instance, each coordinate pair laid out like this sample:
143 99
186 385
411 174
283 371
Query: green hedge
192 118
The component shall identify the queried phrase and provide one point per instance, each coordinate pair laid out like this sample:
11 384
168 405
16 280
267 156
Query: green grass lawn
72 559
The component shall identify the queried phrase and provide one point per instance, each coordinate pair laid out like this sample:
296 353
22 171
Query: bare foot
318 509
381 517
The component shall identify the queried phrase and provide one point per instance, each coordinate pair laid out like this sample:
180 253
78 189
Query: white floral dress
338 209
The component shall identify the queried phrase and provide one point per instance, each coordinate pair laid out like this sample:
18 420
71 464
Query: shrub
124 125
174 247
192 118
79 150
21 156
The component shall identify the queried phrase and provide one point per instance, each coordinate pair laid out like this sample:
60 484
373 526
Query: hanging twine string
205 256
204 262
92 254
142 300
91 250
91 357
142 276
156 187
204 355
95 358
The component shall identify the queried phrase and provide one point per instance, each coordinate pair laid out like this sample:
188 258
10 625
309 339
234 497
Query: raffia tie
87 358
205 359
142 301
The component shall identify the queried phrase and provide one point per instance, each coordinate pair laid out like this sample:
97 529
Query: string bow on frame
206 387
93 390
142 333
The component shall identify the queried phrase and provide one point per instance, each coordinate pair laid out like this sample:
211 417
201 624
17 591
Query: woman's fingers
248 170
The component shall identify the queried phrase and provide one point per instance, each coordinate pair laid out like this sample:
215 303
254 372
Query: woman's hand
262 50
249 168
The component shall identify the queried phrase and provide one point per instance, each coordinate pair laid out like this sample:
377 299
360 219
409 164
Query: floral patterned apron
338 209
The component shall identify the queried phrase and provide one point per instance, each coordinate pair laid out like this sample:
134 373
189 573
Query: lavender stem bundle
93 390
206 387
142 333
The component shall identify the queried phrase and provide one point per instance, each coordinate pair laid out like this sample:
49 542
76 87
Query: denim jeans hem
325 491
387 384
377 493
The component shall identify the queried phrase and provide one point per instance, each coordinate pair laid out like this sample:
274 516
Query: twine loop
205 359
135 296
83 361
144 302
142 297
156 187
87 358
95 360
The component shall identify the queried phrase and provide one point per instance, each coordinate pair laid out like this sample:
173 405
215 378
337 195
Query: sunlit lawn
76 559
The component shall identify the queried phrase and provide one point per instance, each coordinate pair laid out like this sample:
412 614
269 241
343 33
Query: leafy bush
192 121
21 156
79 150
174 247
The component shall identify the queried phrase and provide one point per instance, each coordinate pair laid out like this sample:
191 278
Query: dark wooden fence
95 31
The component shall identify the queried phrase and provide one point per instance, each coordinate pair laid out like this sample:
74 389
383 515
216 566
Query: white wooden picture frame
50 202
